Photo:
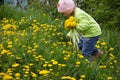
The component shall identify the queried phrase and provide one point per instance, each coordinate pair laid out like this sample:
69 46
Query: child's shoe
98 54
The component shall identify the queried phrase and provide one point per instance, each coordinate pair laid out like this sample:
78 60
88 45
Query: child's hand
67 37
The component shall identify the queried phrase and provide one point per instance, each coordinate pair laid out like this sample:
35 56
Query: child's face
66 14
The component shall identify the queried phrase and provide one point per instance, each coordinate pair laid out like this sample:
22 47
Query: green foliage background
106 12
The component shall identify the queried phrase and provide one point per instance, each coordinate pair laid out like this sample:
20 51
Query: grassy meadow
34 47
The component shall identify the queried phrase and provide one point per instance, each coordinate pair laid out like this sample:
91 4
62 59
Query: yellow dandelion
80 56
115 61
65 77
44 65
34 20
98 42
4 51
50 69
31 64
54 62
15 65
9 46
82 76
102 66
78 62
71 18
87 60
7 77
65 58
97 46
29 51
111 56
2 74
26 67
109 78
18 57
63 65
44 72
26 72
56 19
103 43
111 49
26 75
17 74
49 65
33 74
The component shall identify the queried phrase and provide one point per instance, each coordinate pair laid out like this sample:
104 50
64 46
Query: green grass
112 38
8 12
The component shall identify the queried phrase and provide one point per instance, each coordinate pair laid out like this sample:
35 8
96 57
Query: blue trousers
87 45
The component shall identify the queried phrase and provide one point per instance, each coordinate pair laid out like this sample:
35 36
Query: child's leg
88 47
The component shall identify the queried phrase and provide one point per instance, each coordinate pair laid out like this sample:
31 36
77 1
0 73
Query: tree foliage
106 12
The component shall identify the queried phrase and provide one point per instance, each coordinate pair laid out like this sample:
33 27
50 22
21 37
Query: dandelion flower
44 72
78 62
102 66
82 76
15 65
70 23
17 74
33 74
7 77
109 78
111 49
103 43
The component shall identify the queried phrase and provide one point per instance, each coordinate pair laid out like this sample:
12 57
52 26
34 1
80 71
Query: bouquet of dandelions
71 24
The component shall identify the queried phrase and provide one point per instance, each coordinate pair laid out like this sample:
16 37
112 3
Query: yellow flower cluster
70 23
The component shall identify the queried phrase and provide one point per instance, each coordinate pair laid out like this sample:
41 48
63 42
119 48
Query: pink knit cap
66 6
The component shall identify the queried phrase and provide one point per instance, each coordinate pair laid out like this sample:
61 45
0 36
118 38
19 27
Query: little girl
88 28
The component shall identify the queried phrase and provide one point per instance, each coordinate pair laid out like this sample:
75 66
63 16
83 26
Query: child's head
66 7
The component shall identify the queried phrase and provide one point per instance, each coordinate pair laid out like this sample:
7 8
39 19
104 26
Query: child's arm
83 23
